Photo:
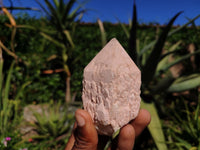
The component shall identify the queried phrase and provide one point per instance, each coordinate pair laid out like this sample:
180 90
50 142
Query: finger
141 121
85 134
126 138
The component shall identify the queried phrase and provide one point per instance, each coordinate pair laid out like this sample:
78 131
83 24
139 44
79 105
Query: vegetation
42 62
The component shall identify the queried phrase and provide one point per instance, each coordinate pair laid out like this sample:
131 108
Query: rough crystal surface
111 88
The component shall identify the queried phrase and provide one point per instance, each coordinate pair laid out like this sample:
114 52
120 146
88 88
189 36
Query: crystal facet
111 88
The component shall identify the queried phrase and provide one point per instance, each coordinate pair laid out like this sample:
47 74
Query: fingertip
126 138
145 114
80 120
84 114
127 132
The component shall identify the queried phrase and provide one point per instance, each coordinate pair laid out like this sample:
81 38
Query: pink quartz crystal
111 88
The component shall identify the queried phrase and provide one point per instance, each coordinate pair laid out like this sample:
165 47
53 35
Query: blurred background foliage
39 54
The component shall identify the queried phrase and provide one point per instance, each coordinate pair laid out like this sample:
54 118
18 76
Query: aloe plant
62 16
53 124
152 65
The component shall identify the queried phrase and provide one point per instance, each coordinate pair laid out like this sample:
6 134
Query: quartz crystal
111 88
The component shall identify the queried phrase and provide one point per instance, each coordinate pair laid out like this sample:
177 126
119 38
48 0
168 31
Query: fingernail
80 120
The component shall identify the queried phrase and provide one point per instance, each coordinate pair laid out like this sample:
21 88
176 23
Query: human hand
85 136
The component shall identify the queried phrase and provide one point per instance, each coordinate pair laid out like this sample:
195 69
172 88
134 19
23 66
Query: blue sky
148 10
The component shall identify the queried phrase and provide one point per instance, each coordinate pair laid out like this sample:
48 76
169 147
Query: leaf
67 33
52 39
188 84
7 86
52 57
147 47
183 142
7 114
20 8
6 105
12 26
43 8
183 26
103 33
133 36
125 30
75 13
47 31
1 74
193 22
52 10
155 127
196 117
12 20
13 39
78 11
68 8
20 92
8 51
64 56
55 16
193 148
178 60
149 69
56 3
67 70
1 85
164 59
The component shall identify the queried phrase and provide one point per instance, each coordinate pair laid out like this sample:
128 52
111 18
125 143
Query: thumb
86 137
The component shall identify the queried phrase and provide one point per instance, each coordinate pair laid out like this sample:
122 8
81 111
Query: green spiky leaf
155 126
133 36
165 58
149 69
185 83
178 60
69 38
52 39
150 45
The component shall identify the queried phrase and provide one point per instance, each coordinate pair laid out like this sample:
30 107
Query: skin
85 137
